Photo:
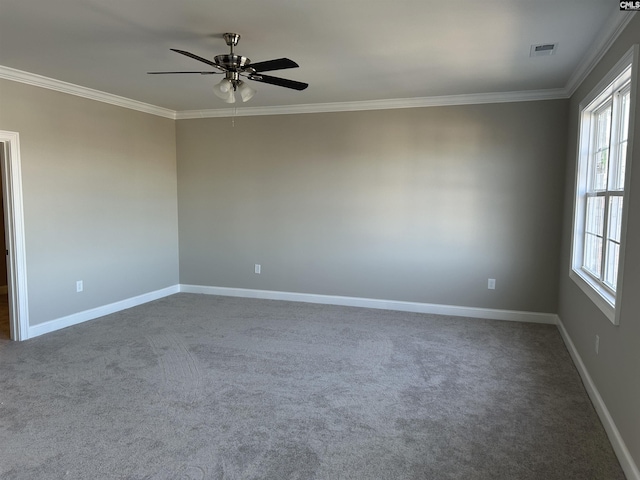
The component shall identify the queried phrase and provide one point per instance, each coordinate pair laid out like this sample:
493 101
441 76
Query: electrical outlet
79 286
491 284
597 345
257 269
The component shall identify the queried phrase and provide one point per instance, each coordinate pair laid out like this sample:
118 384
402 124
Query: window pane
593 254
600 168
615 218
595 215
600 159
624 109
618 181
621 162
611 265
604 128
600 165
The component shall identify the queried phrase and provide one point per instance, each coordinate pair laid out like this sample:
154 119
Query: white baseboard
493 314
94 313
624 457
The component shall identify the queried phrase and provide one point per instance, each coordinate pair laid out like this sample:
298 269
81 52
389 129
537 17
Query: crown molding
610 32
80 91
442 101
617 22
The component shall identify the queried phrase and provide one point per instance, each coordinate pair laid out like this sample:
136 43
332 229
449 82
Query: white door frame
14 235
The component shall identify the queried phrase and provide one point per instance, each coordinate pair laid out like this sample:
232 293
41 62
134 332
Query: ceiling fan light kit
236 66
246 92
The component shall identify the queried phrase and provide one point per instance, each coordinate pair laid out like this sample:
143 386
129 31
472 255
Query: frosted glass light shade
246 92
224 90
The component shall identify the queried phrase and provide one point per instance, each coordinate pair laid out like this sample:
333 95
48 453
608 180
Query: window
602 188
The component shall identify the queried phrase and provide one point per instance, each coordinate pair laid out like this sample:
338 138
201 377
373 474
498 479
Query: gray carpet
203 387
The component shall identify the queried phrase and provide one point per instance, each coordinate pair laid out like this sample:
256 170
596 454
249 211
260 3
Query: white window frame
607 300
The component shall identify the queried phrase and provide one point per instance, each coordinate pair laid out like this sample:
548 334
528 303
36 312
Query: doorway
14 250
5 325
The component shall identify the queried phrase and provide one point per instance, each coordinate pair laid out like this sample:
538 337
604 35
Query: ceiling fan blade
201 73
277 64
280 82
196 57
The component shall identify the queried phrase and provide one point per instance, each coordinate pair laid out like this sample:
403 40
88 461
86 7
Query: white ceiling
348 50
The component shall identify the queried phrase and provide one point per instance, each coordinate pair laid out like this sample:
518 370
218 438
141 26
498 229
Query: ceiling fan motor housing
231 62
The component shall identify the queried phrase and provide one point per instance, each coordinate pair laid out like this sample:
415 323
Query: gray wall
417 205
99 189
615 369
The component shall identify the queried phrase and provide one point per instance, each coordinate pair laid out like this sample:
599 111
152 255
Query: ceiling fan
236 66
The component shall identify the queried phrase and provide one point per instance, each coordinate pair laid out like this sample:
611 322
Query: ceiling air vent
543 49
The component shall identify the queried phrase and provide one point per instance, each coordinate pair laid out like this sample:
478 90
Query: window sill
598 295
